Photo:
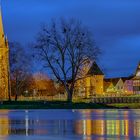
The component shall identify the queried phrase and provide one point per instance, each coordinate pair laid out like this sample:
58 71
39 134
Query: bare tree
19 69
64 47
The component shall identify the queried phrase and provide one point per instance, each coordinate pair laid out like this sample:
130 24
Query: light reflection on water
70 124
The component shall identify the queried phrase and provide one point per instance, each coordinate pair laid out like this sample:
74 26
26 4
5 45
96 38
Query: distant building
43 86
136 81
108 86
113 85
124 85
91 83
132 83
128 85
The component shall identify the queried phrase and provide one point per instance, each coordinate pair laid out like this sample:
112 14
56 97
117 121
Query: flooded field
69 124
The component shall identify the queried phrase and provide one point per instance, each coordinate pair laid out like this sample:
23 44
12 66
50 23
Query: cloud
114 23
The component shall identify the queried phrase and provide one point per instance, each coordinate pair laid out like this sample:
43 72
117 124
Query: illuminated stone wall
90 85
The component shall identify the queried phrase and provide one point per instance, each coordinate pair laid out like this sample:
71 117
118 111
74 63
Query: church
4 63
91 83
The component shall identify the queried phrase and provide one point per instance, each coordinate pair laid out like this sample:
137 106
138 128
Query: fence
109 100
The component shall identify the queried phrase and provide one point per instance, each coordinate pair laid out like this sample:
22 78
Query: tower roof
137 73
2 37
95 70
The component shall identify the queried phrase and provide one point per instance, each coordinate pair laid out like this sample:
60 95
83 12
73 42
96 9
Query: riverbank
125 105
64 105
50 105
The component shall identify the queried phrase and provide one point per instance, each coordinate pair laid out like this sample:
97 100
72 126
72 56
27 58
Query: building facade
128 85
136 81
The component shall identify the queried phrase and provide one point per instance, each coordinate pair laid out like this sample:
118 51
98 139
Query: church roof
3 40
127 78
95 70
136 78
1 25
1 30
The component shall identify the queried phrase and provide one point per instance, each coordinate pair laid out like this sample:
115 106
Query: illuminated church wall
91 83
4 63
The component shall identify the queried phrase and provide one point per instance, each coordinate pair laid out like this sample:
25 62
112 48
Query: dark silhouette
64 47
20 64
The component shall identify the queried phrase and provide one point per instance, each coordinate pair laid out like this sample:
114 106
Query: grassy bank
50 105
125 105
64 105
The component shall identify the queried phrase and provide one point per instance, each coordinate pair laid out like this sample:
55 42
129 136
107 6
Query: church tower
137 73
4 63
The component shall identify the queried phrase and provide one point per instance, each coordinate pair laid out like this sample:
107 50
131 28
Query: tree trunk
9 91
16 97
69 97
9 97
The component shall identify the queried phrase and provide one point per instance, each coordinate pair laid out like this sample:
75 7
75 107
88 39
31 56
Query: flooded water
69 124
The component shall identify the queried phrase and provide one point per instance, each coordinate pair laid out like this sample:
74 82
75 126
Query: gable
95 70
120 83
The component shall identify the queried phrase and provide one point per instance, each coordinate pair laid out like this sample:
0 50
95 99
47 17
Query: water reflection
81 124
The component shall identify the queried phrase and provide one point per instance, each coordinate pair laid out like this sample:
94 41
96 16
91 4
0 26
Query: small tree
19 69
64 47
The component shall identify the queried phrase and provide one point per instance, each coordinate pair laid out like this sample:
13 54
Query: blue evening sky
114 23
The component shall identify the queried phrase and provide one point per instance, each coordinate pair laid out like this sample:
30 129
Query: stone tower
4 63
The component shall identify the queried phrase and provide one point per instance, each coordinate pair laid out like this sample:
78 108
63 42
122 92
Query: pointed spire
0 5
2 40
137 73
1 25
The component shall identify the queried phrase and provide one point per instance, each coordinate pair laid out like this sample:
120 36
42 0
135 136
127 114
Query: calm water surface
69 124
